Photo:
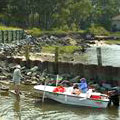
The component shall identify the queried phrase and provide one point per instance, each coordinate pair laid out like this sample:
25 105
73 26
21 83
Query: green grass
34 31
117 34
8 28
38 32
112 42
62 49
48 49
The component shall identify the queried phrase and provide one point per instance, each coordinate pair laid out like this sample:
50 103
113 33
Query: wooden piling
7 36
27 52
99 57
22 35
2 36
16 35
7 41
56 60
19 35
12 36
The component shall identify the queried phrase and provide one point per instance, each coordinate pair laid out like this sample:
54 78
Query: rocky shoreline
34 75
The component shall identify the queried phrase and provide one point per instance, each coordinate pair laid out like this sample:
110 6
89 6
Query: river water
110 55
29 107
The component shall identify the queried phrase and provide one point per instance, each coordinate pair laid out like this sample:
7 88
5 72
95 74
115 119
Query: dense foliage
58 14
97 30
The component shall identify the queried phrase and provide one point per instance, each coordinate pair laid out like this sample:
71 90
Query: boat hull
71 99
75 100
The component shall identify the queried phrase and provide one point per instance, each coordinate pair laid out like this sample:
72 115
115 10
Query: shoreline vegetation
47 46
70 43
36 32
9 28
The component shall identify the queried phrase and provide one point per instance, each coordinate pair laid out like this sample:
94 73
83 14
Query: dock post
99 57
2 34
16 36
7 41
56 60
22 34
12 36
27 52
19 35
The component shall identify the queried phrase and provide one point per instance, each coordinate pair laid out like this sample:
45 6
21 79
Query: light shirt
17 75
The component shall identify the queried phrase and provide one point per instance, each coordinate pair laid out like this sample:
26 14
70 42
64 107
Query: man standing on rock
17 78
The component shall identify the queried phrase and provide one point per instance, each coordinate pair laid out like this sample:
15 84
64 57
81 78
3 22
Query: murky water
110 56
28 107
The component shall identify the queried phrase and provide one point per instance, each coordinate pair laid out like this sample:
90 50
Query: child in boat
76 90
83 85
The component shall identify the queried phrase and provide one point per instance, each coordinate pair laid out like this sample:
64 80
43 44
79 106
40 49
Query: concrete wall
99 73
7 36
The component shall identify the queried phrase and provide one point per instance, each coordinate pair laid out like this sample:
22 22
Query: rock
1 69
9 76
106 86
3 78
4 88
35 68
27 82
2 64
34 74
11 66
37 76
29 73
33 78
5 82
53 37
2 55
34 83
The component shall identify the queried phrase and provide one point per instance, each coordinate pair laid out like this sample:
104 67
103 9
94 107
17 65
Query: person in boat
17 78
76 90
83 85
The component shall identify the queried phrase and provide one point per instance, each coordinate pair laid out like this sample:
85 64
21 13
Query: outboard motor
114 96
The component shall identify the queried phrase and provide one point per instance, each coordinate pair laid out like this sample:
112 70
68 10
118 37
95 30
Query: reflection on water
16 107
64 112
26 107
114 113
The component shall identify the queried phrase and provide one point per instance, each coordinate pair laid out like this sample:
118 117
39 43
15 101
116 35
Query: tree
80 11
3 5
104 10
60 14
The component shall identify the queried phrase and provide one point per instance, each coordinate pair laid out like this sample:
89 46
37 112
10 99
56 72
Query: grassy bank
117 34
8 28
110 42
62 49
37 32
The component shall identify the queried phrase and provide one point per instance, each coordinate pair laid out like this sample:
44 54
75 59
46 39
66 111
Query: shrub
2 27
73 27
65 28
68 49
35 31
97 30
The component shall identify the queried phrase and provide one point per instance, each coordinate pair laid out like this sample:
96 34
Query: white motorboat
91 99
